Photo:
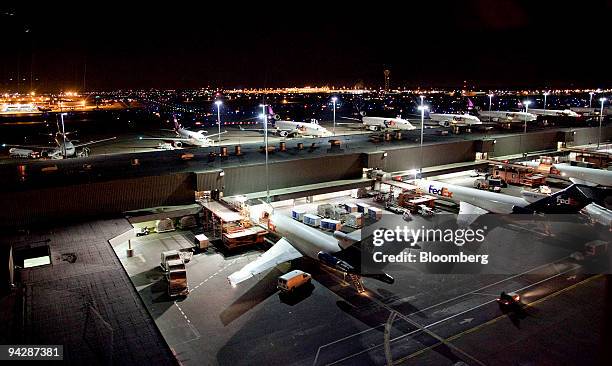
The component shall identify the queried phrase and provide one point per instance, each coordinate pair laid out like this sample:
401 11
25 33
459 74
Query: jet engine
334 262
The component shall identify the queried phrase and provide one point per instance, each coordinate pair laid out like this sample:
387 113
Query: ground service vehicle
292 280
509 299
489 184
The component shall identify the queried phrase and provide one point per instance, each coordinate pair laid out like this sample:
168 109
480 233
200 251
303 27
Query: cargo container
298 214
362 207
330 224
354 220
324 210
350 207
312 220
375 213
338 213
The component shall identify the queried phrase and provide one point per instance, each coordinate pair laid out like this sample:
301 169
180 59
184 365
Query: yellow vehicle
292 280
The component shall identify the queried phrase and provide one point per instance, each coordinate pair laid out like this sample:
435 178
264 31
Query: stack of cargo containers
350 207
298 214
312 220
374 213
324 210
362 207
330 224
354 220
338 213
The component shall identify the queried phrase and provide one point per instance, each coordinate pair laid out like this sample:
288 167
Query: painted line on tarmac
445 319
435 305
492 321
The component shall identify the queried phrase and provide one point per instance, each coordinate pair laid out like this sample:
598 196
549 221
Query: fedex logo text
566 201
444 192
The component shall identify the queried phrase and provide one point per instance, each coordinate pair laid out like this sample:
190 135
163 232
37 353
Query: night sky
506 43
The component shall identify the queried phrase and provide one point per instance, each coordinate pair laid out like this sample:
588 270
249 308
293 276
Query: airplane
64 148
589 177
383 123
292 129
185 136
508 117
298 240
459 120
554 112
476 202
580 175
284 128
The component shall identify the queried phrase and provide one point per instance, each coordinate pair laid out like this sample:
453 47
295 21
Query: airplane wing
468 213
31 147
165 138
270 129
94 142
215 134
281 252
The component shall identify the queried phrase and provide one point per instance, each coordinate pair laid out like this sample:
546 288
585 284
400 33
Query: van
168 256
292 280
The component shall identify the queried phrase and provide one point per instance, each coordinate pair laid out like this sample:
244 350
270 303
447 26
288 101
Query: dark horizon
509 43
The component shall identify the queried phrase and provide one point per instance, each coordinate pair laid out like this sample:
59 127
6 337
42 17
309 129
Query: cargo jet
290 128
187 137
554 112
300 240
459 120
64 148
384 123
476 202
581 175
508 117
293 129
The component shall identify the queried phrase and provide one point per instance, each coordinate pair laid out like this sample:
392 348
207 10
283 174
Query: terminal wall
546 140
95 199
252 178
410 158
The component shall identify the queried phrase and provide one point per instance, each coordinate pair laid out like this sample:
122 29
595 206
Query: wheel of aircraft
276 117
178 144
283 133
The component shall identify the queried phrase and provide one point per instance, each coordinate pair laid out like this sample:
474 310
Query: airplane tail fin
569 200
176 124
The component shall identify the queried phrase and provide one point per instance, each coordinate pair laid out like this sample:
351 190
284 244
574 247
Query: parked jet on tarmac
299 240
185 136
64 147
384 123
459 120
554 112
477 202
507 116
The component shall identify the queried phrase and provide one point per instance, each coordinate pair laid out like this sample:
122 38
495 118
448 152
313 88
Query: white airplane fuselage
490 201
307 240
587 176
381 123
508 117
302 128
194 138
447 120
554 112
